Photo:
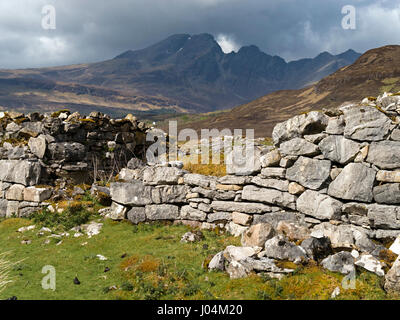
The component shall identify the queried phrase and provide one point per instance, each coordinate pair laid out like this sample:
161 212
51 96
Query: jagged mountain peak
373 73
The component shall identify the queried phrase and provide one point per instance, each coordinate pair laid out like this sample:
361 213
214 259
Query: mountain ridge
190 73
374 73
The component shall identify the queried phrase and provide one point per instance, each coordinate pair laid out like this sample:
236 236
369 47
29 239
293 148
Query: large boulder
263 265
294 231
20 171
162 212
365 123
384 216
271 196
244 207
355 182
189 213
387 193
392 278
194 179
278 184
385 154
161 175
38 146
232 253
34 194
339 149
335 125
317 248
356 213
310 173
370 263
133 193
345 236
298 147
136 215
305 124
274 218
279 247
388 176
217 263
31 129
320 206
117 212
271 158
257 234
342 262
170 194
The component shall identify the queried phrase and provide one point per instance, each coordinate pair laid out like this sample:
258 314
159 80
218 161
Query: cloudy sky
95 30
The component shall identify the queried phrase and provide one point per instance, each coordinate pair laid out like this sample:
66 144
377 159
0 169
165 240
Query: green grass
149 262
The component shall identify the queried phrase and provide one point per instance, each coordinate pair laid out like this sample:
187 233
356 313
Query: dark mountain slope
375 72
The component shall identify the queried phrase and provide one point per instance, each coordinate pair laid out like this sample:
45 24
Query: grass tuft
5 269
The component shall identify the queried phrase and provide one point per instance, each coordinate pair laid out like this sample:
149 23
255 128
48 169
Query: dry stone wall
341 166
39 152
329 184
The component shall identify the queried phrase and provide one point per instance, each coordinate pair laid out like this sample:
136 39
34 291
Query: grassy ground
149 262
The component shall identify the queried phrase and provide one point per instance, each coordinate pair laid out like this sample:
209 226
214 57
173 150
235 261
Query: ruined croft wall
334 172
39 152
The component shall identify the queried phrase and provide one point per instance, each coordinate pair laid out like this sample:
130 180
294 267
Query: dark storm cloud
95 30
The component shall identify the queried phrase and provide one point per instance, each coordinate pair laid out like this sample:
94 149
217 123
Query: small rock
295 188
217 262
392 278
371 264
92 229
335 293
395 247
294 231
342 262
24 229
280 248
236 270
241 218
192 237
232 253
317 248
257 234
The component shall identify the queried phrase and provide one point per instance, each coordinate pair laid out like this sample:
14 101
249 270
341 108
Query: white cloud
227 43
